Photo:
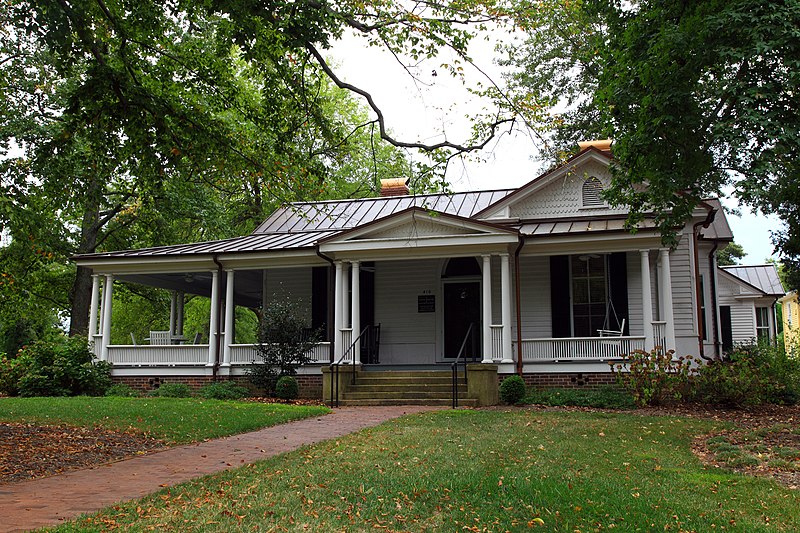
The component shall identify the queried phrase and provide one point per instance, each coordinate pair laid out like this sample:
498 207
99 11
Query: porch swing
606 330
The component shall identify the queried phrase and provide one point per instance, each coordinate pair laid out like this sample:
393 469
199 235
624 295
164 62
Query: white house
747 298
524 280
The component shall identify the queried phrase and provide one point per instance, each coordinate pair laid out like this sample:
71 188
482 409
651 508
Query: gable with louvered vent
592 192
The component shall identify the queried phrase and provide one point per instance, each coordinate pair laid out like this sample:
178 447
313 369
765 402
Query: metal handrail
454 366
335 369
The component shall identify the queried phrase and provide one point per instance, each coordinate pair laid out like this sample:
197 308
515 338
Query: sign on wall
426 303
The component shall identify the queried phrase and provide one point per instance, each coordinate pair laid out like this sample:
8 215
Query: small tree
285 343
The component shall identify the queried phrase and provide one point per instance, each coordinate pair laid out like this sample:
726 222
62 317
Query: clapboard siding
682 288
743 322
404 330
634 265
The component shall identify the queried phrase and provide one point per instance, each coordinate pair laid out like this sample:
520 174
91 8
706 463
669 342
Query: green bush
512 389
287 388
656 376
223 390
602 398
122 390
172 390
753 374
284 343
62 367
11 372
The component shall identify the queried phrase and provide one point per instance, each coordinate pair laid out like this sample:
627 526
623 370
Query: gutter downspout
712 267
329 325
698 294
517 303
220 271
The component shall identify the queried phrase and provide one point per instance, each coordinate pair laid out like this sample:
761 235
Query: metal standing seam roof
763 277
248 243
346 214
569 227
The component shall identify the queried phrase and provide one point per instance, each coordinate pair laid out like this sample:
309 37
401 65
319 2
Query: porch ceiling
247 284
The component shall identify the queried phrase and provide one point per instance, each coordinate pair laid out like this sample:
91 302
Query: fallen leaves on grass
30 451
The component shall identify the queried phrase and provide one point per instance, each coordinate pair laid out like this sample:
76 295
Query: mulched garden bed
29 451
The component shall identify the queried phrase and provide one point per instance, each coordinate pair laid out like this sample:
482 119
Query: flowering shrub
656 376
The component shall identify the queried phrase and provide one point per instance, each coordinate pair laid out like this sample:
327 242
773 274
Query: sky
434 106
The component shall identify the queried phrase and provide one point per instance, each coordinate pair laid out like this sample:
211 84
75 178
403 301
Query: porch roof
762 277
582 225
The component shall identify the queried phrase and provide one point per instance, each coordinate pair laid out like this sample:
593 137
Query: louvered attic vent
592 190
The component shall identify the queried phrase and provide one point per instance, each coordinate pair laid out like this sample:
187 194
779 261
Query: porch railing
497 341
149 355
659 333
579 348
193 354
245 354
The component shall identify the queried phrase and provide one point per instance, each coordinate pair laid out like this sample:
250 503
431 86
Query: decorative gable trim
500 209
419 228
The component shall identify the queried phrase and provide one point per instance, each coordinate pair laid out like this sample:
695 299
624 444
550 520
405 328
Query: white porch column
355 307
647 301
213 320
108 289
337 311
505 295
93 307
230 309
181 315
666 298
487 309
173 312
345 302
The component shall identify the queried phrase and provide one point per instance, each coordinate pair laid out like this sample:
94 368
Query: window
762 323
592 192
589 294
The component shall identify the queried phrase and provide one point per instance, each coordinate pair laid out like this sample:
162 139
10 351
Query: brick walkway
48 501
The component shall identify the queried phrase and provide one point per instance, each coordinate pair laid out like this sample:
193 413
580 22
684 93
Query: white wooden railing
659 333
245 354
579 348
158 355
497 341
193 354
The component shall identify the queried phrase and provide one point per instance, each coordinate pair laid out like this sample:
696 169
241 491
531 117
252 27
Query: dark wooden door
462 307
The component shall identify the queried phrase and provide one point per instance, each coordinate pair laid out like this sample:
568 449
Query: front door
462 307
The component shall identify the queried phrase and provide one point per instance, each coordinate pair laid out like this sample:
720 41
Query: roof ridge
387 198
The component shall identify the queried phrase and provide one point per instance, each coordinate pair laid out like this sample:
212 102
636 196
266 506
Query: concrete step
413 380
462 402
394 387
409 373
415 395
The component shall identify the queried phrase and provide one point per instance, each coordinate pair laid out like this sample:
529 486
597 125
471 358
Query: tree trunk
80 296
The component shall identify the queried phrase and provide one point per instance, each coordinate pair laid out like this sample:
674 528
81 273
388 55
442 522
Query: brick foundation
310 385
567 380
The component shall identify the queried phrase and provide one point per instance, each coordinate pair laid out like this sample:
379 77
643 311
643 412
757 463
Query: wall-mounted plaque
426 303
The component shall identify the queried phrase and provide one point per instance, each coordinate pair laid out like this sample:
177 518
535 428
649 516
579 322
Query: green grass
746 450
174 420
477 471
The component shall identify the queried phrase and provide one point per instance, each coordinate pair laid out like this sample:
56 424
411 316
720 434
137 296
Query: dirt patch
29 451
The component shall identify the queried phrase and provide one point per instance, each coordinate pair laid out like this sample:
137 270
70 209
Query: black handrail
454 366
335 369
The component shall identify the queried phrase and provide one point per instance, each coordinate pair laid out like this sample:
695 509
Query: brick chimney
394 187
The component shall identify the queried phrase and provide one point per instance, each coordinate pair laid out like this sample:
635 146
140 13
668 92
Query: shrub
63 367
223 390
512 389
287 388
752 374
172 390
284 345
653 377
10 373
122 390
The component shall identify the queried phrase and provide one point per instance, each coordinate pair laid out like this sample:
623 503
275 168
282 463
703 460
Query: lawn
477 471
173 420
